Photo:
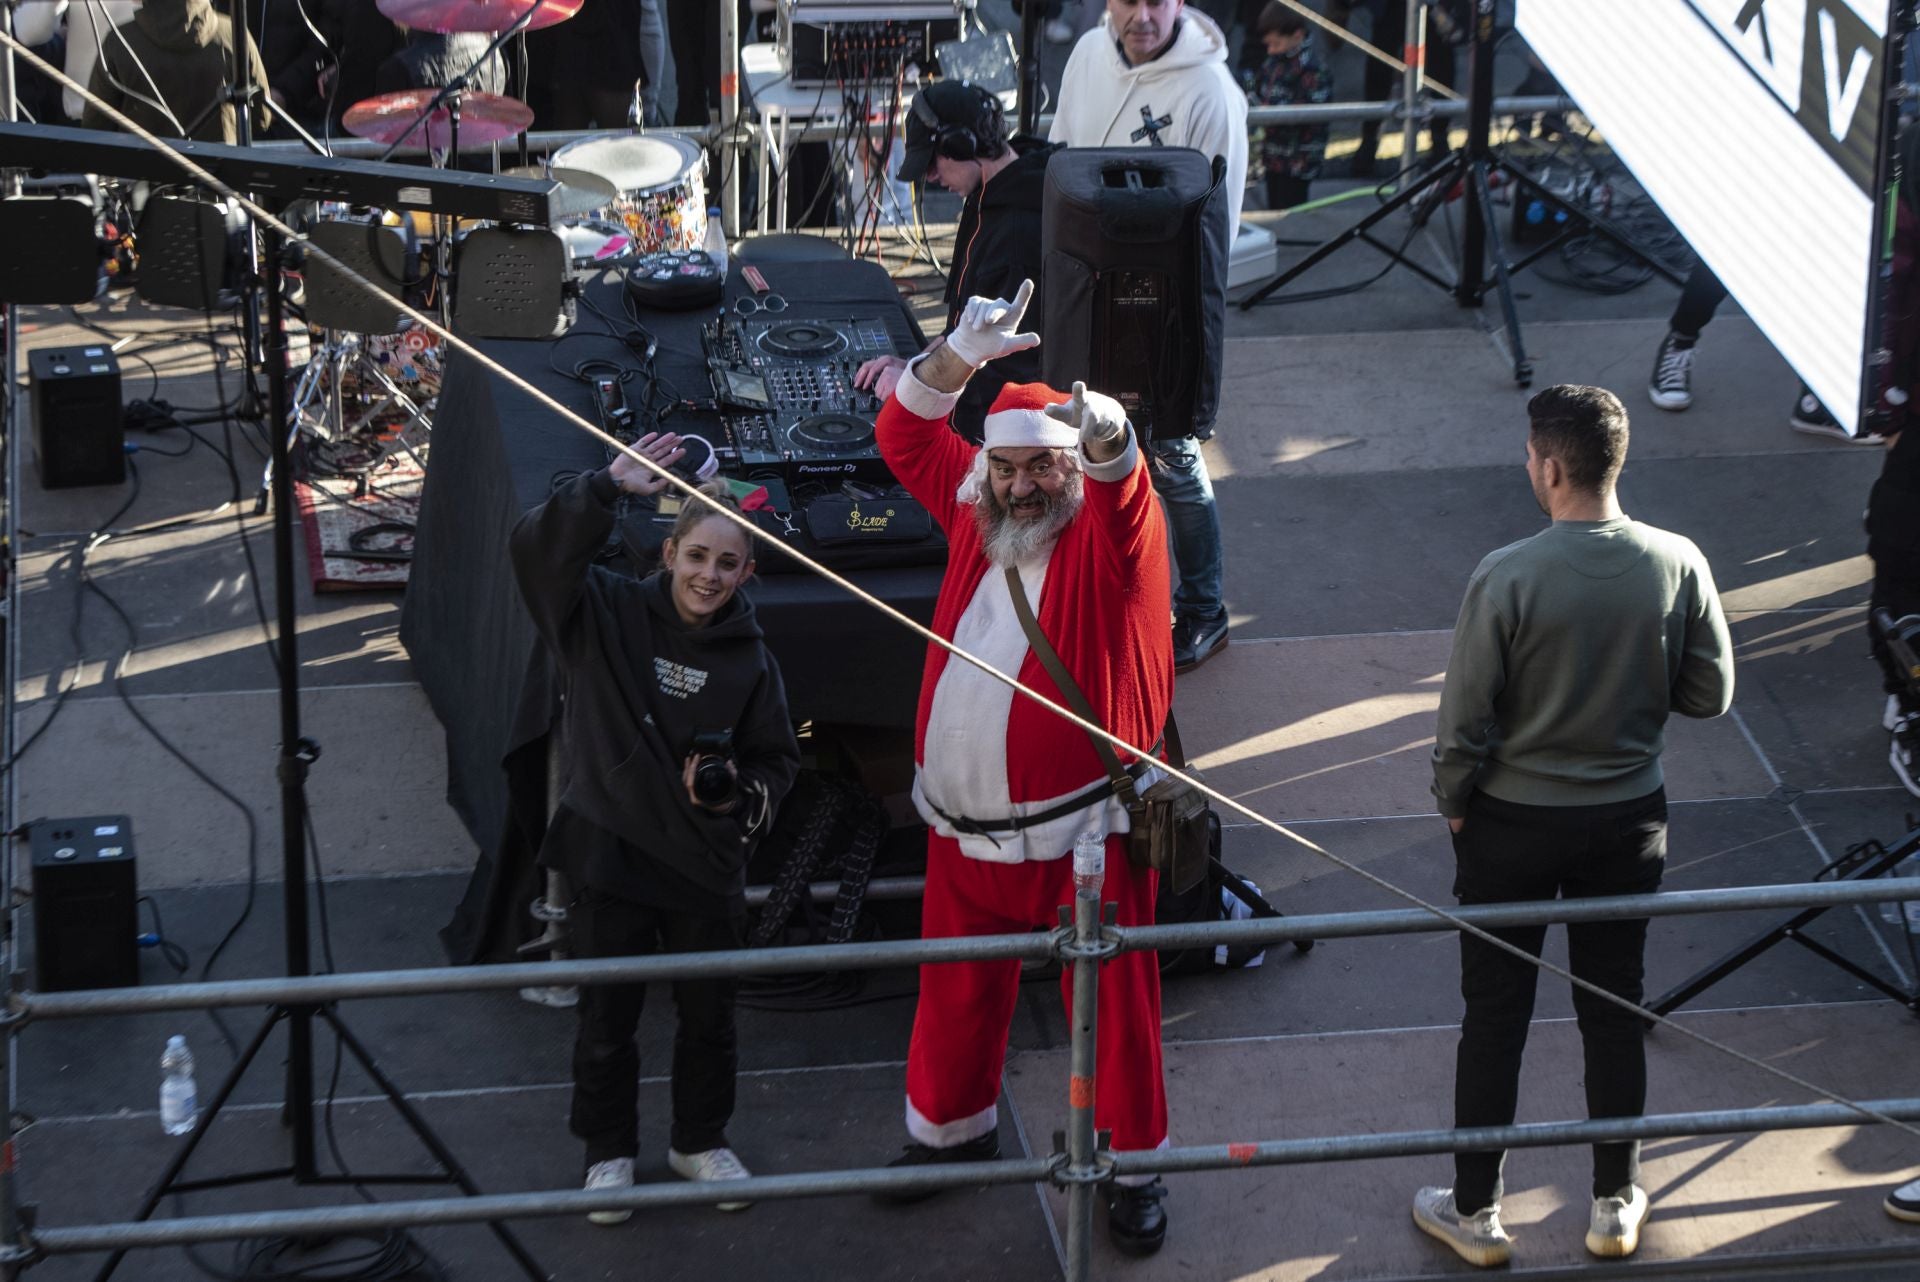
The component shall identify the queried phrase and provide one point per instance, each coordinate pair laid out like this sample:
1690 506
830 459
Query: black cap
953 102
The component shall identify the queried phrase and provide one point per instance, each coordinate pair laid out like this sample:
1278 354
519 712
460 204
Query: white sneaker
614 1173
1614 1231
1900 754
1890 715
1904 1203
1477 1239
1059 31
714 1164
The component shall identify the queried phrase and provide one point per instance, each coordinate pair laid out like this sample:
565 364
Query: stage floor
1369 454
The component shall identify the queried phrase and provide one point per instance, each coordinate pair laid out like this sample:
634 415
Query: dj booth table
495 455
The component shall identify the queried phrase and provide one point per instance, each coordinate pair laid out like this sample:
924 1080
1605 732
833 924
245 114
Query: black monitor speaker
53 253
509 283
78 437
85 904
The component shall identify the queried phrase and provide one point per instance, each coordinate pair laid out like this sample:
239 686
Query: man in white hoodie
1154 74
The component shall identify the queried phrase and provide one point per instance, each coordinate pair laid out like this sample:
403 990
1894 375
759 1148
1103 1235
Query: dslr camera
714 784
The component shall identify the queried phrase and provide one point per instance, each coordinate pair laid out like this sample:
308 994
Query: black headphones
965 141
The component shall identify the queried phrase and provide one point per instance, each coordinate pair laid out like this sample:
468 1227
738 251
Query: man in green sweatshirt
1572 648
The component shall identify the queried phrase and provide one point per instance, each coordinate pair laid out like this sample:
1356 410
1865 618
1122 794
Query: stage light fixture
510 283
1758 127
190 249
53 253
387 256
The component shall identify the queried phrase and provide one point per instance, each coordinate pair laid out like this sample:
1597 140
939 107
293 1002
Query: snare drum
662 183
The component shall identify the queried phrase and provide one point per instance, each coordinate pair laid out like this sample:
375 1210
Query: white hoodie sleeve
1217 126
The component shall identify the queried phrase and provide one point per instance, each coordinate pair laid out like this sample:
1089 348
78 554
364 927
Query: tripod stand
296 755
1868 859
1469 171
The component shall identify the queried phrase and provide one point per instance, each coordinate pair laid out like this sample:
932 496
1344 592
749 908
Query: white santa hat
1018 420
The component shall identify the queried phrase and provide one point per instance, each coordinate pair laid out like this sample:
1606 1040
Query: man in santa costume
1060 494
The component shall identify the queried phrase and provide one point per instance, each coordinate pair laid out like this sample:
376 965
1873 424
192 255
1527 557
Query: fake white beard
1008 540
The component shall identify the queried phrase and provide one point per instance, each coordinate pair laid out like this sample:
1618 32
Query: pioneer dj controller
807 421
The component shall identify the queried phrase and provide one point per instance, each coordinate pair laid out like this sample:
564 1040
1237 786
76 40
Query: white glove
1097 416
988 328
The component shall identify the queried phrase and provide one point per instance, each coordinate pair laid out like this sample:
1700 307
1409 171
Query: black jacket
996 246
188 51
638 686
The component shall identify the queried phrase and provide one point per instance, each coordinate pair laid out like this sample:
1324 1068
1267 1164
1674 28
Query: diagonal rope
1339 32
753 531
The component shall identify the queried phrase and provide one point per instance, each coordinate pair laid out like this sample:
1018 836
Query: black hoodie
638 686
184 50
996 246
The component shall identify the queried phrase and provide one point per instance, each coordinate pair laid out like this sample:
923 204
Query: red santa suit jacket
1102 601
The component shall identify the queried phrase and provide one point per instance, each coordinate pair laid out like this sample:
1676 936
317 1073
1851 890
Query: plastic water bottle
716 242
1089 863
179 1101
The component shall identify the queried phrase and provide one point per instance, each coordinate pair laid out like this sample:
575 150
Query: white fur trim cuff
1118 468
920 400
949 1134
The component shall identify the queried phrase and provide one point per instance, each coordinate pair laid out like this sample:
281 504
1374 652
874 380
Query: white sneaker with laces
714 1164
1904 1203
614 1173
1613 1232
1478 1239
1671 387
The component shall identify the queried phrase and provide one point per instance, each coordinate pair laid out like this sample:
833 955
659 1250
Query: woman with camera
678 751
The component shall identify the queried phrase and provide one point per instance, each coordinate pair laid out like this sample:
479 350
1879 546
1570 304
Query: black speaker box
1134 281
77 434
85 904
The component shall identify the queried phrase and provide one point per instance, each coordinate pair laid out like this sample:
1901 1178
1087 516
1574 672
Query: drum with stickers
662 195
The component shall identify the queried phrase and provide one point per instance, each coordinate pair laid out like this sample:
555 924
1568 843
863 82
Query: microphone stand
458 85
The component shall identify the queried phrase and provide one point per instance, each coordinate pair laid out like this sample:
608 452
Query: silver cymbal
580 192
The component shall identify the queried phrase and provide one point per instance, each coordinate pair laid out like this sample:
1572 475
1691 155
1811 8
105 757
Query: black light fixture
53 253
387 256
511 283
190 251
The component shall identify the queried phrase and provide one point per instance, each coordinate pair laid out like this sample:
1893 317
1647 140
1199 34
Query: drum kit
621 196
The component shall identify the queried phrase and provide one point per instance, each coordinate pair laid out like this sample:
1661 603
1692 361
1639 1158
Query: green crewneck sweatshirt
1572 648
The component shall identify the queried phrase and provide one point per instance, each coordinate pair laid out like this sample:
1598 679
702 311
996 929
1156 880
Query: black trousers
1700 298
1381 81
606 1061
1512 852
1284 191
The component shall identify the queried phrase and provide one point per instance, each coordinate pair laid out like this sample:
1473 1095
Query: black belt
988 827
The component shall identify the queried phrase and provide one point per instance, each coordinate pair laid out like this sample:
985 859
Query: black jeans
1700 298
606 1062
1511 852
1284 191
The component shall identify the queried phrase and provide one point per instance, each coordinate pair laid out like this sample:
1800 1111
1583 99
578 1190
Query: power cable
692 493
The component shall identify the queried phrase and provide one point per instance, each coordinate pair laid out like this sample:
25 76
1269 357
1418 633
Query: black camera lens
713 783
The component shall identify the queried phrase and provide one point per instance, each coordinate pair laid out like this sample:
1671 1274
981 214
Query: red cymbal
484 118
476 15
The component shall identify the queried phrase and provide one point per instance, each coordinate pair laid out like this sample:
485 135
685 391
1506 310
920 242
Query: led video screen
1755 125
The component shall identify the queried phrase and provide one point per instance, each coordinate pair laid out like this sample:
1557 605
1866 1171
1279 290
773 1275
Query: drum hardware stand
1867 859
1469 169
295 756
323 378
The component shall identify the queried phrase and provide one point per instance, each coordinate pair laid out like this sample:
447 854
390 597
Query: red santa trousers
960 1027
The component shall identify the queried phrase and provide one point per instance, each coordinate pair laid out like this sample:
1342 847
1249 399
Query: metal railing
1082 1168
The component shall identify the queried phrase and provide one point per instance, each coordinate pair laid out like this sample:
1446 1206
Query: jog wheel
798 339
832 434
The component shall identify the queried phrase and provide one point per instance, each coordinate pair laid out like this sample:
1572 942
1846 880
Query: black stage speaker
192 251
387 256
77 435
1135 281
54 254
85 904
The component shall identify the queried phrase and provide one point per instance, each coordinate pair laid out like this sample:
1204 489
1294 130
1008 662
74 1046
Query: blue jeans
1180 478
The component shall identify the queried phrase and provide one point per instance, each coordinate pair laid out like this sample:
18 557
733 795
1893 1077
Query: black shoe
984 1149
1197 640
1136 1222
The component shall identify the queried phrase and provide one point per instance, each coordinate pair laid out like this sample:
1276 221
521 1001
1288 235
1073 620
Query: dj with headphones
956 137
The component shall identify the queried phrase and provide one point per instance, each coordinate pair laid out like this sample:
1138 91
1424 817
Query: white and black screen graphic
1755 124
